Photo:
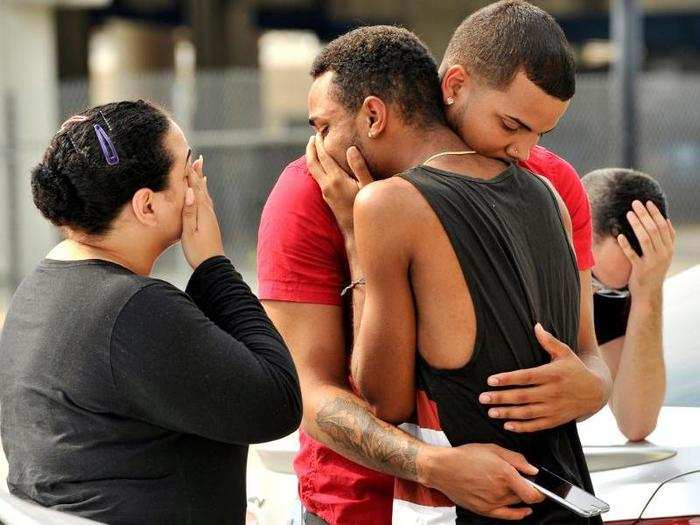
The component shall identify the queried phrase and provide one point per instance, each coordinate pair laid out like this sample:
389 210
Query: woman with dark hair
123 399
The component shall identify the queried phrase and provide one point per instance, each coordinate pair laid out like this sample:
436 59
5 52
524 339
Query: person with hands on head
125 400
633 246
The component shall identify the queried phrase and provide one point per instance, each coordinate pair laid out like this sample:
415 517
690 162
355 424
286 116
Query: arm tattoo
353 427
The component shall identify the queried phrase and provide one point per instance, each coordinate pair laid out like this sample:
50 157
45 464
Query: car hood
672 449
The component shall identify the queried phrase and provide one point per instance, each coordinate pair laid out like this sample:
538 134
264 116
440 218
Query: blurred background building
235 75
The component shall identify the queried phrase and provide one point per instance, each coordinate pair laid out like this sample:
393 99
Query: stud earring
370 135
450 101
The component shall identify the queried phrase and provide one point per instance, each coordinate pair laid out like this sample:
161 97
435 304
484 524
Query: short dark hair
611 192
388 62
503 38
75 186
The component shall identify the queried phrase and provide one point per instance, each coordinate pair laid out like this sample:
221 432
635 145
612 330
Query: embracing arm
590 393
333 414
387 335
601 383
573 386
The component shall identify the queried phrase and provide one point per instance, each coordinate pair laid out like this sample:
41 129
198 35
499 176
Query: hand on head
201 236
656 237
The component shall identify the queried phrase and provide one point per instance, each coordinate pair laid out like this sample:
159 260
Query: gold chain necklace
443 153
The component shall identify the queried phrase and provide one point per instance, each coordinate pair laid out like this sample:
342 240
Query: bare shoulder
394 197
392 215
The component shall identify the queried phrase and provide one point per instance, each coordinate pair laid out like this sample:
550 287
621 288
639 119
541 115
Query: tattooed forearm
352 426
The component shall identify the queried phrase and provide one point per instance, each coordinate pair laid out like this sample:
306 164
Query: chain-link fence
669 134
222 115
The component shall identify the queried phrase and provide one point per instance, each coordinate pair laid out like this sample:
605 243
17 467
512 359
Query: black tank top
520 269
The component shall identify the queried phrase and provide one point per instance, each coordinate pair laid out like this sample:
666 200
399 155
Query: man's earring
450 101
370 135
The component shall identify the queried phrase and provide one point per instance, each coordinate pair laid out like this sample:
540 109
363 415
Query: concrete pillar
72 35
242 47
121 51
285 61
223 33
225 38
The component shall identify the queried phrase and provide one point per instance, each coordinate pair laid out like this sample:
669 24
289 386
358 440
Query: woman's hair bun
77 186
54 195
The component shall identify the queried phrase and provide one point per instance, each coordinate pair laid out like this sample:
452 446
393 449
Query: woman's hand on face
201 236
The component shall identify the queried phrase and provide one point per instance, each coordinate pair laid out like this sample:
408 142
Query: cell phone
567 494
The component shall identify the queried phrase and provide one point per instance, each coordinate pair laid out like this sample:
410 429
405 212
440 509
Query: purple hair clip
108 149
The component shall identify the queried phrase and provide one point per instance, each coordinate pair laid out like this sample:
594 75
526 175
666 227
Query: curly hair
388 62
75 186
611 192
505 37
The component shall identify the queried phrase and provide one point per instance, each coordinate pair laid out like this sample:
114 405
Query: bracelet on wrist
358 282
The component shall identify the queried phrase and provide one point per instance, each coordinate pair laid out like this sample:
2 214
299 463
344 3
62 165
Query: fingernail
493 413
509 426
493 381
189 197
485 398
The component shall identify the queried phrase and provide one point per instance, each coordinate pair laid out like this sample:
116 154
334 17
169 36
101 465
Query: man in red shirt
347 455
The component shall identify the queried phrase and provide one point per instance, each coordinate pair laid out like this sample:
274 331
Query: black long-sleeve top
128 401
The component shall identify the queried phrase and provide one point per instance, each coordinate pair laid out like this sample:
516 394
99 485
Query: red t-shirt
301 258
565 180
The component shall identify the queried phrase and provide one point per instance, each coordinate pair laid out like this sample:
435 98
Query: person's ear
143 205
374 112
455 83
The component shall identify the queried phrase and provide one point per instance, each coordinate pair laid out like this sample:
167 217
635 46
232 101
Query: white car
657 482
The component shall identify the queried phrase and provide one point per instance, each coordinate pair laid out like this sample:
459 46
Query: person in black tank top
520 269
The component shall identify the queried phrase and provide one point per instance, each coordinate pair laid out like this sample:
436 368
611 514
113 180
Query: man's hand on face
338 187
656 237
545 396
483 478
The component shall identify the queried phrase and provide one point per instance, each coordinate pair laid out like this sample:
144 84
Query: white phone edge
578 510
